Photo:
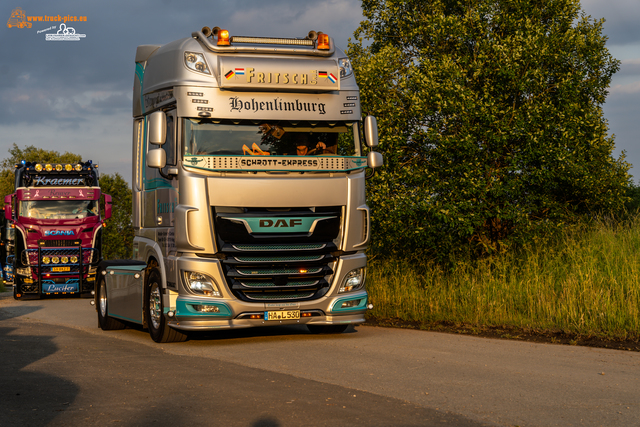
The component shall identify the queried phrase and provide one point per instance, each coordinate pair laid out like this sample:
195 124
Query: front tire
105 322
159 330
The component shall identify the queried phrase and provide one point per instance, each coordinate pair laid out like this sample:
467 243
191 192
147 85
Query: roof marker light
323 41
223 38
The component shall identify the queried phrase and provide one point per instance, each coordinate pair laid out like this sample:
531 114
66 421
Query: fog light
64 259
206 308
55 260
46 259
352 303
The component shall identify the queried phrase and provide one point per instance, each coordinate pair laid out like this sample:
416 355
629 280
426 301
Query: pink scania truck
57 212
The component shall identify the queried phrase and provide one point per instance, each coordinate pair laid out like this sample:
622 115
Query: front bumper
197 314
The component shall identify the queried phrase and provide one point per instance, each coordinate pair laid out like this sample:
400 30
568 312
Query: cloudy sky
76 96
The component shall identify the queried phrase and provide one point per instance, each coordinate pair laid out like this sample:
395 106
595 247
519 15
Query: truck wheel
327 329
159 330
106 322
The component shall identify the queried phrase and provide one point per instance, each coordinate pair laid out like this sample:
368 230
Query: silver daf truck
249 164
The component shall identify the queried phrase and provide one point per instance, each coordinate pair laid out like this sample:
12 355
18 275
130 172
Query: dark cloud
76 96
630 68
621 19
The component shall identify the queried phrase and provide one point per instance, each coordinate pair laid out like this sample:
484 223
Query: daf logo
58 233
280 223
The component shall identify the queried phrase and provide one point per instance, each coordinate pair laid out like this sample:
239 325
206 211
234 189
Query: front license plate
282 315
57 269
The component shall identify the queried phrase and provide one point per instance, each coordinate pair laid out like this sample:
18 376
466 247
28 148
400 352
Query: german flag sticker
230 74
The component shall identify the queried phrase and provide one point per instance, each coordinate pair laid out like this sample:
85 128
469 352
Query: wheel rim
155 306
103 299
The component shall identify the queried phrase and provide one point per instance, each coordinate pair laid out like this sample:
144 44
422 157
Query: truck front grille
278 266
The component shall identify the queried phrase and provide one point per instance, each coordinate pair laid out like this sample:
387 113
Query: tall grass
586 282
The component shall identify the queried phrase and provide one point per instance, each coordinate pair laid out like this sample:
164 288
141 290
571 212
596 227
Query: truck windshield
58 209
205 137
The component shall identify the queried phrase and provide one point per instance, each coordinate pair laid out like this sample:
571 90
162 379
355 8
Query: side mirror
374 159
8 212
107 206
157 158
157 128
370 131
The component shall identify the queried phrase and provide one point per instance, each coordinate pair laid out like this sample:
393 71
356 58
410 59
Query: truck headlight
345 67
201 284
24 271
353 281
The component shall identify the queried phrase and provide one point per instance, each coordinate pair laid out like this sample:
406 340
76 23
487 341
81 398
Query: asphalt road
60 369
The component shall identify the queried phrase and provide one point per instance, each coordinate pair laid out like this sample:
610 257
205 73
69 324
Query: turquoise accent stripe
140 76
127 267
184 308
156 183
336 306
276 224
125 318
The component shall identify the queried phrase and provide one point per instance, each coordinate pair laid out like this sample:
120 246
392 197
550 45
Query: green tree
29 154
117 237
490 121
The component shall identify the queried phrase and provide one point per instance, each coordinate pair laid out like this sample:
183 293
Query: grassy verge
586 284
